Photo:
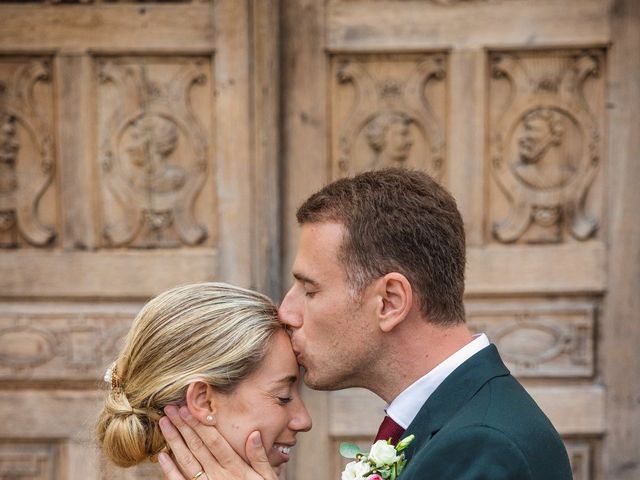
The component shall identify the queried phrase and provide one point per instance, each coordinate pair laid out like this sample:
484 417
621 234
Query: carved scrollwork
70 346
26 157
154 157
545 147
391 122
550 342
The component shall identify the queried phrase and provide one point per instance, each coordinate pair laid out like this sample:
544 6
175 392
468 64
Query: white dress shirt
404 408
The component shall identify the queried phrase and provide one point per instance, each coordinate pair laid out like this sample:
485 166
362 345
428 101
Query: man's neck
424 347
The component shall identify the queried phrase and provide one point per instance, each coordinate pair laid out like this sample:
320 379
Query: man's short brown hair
398 220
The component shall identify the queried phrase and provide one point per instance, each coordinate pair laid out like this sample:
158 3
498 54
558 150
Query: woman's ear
396 300
201 402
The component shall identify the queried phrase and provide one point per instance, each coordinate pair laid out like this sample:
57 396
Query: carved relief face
151 140
9 146
398 140
538 136
389 135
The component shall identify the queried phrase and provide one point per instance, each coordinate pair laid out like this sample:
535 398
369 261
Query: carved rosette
154 157
391 121
545 147
26 156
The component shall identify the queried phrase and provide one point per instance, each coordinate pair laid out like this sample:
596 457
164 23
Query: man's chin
315 383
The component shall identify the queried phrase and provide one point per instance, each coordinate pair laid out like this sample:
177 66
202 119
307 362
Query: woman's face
269 401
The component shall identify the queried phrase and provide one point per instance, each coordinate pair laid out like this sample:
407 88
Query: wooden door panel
126 169
535 207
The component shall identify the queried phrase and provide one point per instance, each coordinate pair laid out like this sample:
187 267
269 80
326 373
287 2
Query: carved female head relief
387 111
154 152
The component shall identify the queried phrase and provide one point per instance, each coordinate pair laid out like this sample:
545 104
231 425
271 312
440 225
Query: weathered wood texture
305 169
139 151
621 323
151 144
517 122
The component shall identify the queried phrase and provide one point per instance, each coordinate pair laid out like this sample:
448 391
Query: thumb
258 457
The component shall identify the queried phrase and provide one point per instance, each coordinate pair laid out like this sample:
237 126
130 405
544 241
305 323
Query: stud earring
210 418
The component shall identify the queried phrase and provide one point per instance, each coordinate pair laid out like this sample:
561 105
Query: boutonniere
384 461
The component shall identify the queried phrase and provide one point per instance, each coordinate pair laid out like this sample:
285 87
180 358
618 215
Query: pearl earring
210 418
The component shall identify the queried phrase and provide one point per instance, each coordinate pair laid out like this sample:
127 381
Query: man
377 303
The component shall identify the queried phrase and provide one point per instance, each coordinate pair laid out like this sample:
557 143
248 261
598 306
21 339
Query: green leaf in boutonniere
349 450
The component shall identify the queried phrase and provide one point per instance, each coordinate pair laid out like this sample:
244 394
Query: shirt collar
406 406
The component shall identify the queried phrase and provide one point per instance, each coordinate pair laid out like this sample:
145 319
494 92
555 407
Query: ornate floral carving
154 155
545 146
26 156
391 122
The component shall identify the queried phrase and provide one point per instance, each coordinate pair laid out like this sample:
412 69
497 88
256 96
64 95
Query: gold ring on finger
198 475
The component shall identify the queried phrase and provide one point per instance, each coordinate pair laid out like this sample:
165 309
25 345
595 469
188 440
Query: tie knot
389 429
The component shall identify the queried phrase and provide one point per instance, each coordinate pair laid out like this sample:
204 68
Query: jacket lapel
452 394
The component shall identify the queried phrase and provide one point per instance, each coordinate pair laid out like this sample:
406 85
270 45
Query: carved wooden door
128 164
522 110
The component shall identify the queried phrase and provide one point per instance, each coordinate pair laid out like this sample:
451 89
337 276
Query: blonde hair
212 332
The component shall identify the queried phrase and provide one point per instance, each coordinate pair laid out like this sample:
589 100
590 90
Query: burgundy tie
389 430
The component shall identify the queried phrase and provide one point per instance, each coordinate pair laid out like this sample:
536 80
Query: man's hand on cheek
200 448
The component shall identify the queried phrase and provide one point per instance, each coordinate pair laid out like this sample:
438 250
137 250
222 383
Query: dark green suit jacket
481 424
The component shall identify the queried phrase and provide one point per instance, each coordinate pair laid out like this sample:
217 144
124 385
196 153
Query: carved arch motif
26 157
391 121
545 147
154 157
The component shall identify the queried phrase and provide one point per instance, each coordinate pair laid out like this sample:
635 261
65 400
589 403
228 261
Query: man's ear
201 402
396 300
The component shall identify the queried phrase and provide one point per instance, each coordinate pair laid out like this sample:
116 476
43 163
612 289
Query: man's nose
288 312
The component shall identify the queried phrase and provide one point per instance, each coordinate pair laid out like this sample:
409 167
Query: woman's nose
301 420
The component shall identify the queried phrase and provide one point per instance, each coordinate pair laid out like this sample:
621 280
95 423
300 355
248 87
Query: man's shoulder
500 429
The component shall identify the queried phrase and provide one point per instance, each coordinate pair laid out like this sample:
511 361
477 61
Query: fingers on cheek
168 430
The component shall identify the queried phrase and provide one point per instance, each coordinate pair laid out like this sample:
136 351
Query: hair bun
128 436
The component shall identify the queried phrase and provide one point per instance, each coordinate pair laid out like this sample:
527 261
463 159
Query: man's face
333 332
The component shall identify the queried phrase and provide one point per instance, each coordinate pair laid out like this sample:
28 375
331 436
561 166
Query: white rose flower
382 453
355 471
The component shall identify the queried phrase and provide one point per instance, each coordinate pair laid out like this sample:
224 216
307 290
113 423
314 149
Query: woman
220 351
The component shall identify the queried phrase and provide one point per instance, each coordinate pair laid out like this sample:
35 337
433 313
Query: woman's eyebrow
287 379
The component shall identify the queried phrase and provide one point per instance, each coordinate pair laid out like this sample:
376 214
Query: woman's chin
277 458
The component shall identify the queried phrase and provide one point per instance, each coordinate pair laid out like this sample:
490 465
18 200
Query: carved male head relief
389 136
542 130
542 162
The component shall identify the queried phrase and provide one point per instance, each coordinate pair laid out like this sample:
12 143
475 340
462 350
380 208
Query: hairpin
111 378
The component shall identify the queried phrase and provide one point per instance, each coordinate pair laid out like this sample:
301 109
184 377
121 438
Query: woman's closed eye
284 400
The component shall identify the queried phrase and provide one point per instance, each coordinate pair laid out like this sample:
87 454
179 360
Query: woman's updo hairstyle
212 332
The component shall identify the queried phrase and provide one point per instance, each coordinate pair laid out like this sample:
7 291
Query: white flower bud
355 471
382 453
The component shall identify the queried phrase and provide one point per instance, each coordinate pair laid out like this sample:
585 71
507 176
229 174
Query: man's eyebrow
304 279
